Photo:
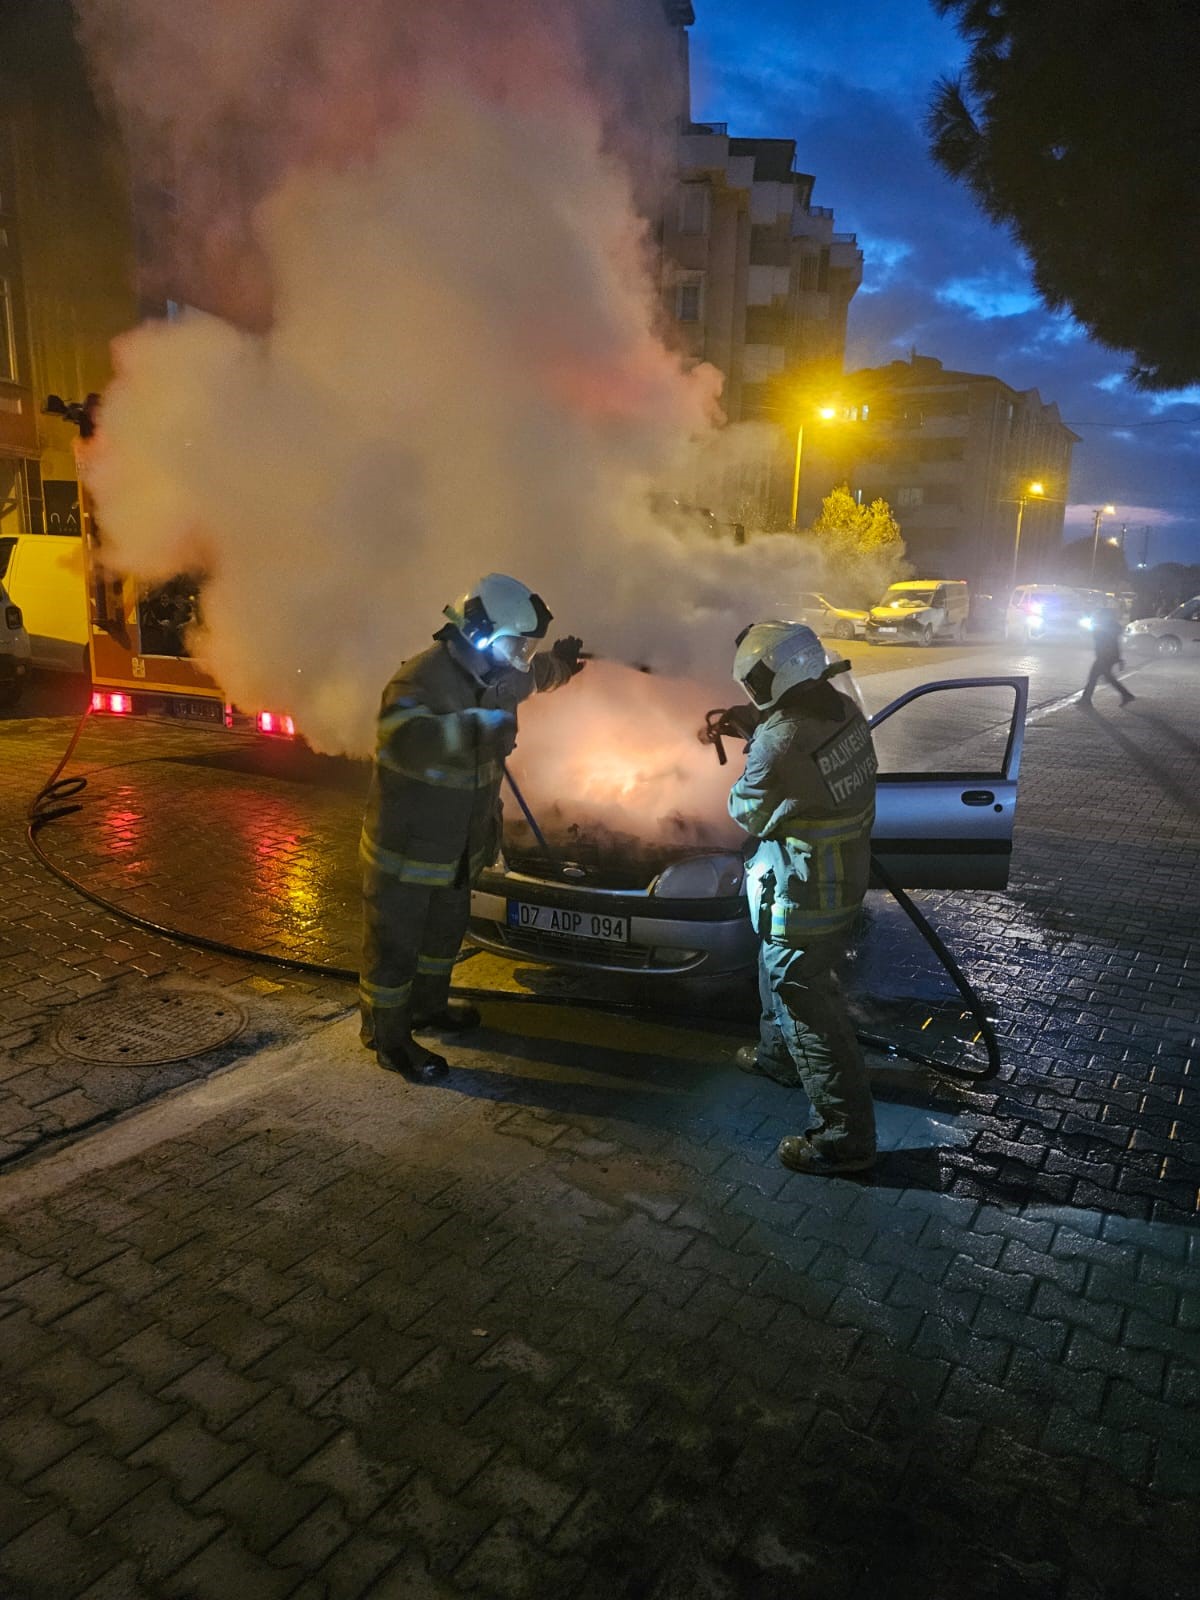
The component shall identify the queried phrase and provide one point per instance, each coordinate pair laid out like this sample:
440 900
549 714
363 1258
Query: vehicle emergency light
120 705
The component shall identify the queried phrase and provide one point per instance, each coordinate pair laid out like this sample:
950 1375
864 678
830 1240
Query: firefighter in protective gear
807 796
446 723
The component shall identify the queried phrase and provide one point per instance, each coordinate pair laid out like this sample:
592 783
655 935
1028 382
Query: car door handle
978 797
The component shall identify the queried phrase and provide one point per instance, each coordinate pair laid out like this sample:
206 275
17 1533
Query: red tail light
120 705
273 722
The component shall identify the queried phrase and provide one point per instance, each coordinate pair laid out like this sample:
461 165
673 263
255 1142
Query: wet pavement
564 1327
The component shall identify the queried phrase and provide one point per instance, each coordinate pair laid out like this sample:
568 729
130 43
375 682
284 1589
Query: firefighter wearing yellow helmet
807 796
446 723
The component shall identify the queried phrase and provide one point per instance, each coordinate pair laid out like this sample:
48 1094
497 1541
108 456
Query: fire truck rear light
287 726
229 716
119 704
266 722
275 722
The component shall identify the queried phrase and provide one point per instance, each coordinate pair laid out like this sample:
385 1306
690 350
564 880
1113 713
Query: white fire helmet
773 657
503 615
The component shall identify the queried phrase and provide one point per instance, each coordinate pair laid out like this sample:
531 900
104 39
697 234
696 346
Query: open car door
946 796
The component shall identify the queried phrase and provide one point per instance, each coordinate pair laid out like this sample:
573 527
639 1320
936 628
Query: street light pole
1097 517
827 414
1035 491
796 474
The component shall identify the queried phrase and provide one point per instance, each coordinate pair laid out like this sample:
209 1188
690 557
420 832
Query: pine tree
1074 126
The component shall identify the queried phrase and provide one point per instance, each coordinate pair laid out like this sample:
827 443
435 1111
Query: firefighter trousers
411 937
805 1027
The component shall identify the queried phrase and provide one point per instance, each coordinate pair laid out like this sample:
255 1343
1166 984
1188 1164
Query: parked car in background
828 620
1178 633
1041 613
949 759
14 650
920 611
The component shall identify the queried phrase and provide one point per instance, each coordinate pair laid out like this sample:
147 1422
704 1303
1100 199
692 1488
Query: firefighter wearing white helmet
807 795
446 723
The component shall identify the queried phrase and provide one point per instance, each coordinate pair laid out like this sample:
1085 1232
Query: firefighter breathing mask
773 657
504 617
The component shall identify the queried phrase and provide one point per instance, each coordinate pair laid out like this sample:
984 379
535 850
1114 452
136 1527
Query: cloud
987 297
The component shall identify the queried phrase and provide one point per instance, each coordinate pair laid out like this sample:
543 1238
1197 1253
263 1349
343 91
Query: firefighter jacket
808 797
433 811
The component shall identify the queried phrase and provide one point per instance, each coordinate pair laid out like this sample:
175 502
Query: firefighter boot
798 1153
784 1072
411 1060
453 1017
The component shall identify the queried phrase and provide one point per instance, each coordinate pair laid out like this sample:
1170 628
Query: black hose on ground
57 798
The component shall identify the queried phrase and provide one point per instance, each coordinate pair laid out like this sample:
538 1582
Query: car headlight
717 875
1086 622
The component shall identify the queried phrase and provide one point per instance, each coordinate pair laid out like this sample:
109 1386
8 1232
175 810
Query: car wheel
1168 645
844 630
925 637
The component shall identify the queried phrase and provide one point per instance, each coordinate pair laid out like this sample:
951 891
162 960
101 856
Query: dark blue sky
850 85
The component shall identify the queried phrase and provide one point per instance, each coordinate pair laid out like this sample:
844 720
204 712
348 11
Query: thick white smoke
448 362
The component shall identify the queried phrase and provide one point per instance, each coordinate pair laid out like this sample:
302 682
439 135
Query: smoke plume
431 351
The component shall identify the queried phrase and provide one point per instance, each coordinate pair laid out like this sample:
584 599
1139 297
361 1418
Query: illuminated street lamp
1032 491
1098 516
827 414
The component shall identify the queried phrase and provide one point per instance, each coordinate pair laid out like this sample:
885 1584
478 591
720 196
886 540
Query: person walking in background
1106 638
807 797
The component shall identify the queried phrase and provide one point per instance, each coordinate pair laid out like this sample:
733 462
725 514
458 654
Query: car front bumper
666 939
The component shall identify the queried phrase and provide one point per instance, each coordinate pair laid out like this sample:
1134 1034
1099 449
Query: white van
44 576
920 611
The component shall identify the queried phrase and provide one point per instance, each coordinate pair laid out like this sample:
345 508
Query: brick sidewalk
565 1328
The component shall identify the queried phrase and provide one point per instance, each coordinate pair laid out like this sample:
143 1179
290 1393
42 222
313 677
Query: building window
910 497
8 338
694 208
689 297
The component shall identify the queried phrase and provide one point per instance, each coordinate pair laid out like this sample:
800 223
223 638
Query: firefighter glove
501 728
569 652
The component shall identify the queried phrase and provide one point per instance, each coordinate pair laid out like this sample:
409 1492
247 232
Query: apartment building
755 279
67 279
953 453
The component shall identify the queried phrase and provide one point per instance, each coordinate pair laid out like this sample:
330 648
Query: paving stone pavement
563 1327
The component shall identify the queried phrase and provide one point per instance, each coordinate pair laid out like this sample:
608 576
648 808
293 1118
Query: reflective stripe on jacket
808 797
433 811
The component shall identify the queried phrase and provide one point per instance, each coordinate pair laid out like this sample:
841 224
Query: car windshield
902 597
1184 611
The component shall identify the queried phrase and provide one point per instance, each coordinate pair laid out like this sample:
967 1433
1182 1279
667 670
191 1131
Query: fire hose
60 797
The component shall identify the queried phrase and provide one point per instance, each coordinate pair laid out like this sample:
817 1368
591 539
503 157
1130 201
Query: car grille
559 948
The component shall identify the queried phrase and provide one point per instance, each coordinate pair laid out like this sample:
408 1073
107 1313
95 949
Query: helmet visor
515 650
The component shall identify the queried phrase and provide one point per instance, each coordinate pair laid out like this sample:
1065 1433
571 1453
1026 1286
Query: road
563 1327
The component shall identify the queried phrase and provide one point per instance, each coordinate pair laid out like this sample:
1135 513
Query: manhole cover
145 1030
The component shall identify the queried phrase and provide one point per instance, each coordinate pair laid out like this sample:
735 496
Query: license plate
885 630
571 924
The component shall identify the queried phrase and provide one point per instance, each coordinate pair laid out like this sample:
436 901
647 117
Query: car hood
900 608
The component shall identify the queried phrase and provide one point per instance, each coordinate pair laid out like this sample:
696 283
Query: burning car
668 900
